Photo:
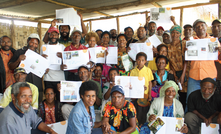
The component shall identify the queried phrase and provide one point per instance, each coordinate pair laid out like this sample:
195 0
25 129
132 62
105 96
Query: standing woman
50 109
122 44
92 38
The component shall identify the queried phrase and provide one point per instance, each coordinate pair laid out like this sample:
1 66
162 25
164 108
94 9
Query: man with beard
203 106
141 34
166 37
113 40
19 55
20 76
53 77
64 32
188 32
18 117
6 53
129 32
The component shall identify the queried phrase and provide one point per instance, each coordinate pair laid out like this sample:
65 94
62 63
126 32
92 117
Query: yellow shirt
152 65
6 99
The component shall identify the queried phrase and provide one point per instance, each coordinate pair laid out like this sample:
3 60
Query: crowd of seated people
30 103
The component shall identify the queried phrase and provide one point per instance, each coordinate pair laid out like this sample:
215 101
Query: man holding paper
54 74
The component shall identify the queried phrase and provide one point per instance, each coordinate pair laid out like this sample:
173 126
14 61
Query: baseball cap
216 20
76 31
167 32
34 36
117 88
160 27
19 70
53 29
187 25
198 20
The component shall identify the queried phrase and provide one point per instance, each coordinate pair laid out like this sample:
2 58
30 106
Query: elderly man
18 117
166 37
129 32
203 106
113 40
119 115
6 53
20 76
188 32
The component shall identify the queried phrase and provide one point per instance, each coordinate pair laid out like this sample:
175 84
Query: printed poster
97 54
147 48
160 15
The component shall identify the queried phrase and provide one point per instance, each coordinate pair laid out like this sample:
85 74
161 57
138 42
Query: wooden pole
40 35
90 25
219 10
118 25
181 17
12 27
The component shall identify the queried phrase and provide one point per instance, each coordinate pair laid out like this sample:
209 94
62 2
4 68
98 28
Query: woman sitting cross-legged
166 105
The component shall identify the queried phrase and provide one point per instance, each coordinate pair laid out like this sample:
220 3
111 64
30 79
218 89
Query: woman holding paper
122 44
166 105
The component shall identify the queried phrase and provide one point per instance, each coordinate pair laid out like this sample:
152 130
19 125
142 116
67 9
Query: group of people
23 109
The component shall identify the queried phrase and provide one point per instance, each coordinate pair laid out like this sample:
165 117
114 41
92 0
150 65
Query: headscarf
167 85
177 28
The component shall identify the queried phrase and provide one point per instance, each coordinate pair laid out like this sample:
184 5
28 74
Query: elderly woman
92 38
122 44
166 105
160 76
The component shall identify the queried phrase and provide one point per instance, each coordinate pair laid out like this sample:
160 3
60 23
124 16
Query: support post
90 24
118 25
40 35
12 27
181 17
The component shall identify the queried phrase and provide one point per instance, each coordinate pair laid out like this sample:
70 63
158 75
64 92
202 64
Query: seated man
20 76
203 106
18 117
119 115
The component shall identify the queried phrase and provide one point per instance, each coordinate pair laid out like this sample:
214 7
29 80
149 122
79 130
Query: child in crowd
98 75
142 105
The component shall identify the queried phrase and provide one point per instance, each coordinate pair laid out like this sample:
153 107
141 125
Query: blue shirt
79 119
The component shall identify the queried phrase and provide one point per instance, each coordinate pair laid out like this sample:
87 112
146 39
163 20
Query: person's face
99 33
152 28
105 39
188 32
83 74
6 43
161 64
141 33
129 33
89 98
98 71
64 31
170 93
200 29
141 61
53 37
163 51
33 44
49 95
23 100
112 75
76 37
92 41
166 39
117 100
216 29
20 77
207 90
160 32
122 42
113 33
175 35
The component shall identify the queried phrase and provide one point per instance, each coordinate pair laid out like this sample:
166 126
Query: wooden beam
39 33
21 19
118 25
219 10
15 3
181 17
12 27
156 4
195 5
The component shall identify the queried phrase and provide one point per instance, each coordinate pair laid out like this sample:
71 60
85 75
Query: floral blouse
49 114
119 118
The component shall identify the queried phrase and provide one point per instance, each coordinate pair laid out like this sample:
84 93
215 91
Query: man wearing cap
19 55
119 115
55 75
166 37
200 69
188 32
160 31
6 53
129 32
64 32
20 76
203 106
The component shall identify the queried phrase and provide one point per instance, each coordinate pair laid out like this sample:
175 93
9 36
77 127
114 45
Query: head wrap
177 28
167 85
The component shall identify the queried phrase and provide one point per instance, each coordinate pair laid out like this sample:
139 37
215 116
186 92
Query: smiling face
161 64
188 32
49 95
117 99
83 74
175 35
122 42
6 43
160 32
53 37
152 28
92 41
33 44
76 37
129 33
170 93
200 29
207 90
163 51
216 29
20 77
89 98
64 31
105 40
98 71
141 33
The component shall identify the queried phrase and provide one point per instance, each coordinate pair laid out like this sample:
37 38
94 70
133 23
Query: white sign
211 129
59 127
147 48
160 15
154 40
111 58
97 54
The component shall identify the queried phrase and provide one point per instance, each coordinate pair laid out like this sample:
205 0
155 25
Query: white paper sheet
74 59
141 47
211 129
68 16
111 58
170 126
34 63
160 15
51 51
70 91
97 54
154 40
133 86
59 127
128 65
202 49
